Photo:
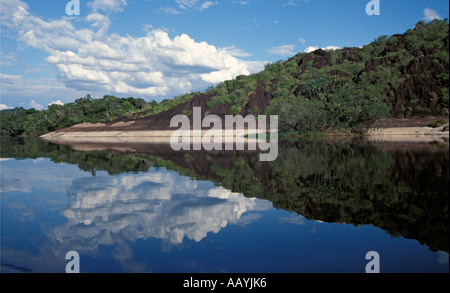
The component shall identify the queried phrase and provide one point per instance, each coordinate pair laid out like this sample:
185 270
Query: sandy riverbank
402 134
137 136
405 134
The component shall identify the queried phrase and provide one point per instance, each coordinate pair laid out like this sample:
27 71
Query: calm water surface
320 207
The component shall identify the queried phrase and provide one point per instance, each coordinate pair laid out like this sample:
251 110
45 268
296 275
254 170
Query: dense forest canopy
401 76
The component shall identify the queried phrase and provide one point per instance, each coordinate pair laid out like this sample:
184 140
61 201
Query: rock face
319 57
372 64
348 54
259 100
421 89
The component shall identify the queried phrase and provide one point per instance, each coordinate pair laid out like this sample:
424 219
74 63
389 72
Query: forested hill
400 76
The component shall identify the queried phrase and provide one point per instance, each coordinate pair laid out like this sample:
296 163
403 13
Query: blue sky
157 49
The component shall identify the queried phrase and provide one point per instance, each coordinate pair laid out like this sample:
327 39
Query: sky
56 51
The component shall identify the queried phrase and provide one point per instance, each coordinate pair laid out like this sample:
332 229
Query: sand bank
137 136
405 134
402 134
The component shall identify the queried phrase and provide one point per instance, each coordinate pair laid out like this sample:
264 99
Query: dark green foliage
438 123
445 80
13 121
31 122
428 36
329 103
235 91
307 98
167 104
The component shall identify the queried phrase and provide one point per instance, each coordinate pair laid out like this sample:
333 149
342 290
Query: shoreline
411 134
400 134
142 136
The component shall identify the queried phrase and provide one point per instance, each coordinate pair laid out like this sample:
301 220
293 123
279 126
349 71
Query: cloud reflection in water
156 204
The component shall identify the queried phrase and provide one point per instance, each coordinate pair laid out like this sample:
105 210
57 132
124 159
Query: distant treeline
32 122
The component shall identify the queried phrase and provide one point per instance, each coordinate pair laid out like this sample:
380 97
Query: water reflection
156 204
103 210
139 192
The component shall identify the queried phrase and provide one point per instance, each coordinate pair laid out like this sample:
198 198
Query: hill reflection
402 189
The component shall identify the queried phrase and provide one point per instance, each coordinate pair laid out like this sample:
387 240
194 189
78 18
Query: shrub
329 103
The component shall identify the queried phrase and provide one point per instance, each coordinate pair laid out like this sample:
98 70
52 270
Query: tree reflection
400 188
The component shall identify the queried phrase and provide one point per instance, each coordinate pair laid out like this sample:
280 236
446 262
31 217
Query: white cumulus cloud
314 48
58 102
93 59
430 14
36 105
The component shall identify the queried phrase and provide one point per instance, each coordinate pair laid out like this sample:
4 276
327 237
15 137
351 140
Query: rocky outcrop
418 93
349 54
258 100
405 102
415 83
373 64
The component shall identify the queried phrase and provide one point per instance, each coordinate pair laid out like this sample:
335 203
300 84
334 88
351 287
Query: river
321 206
